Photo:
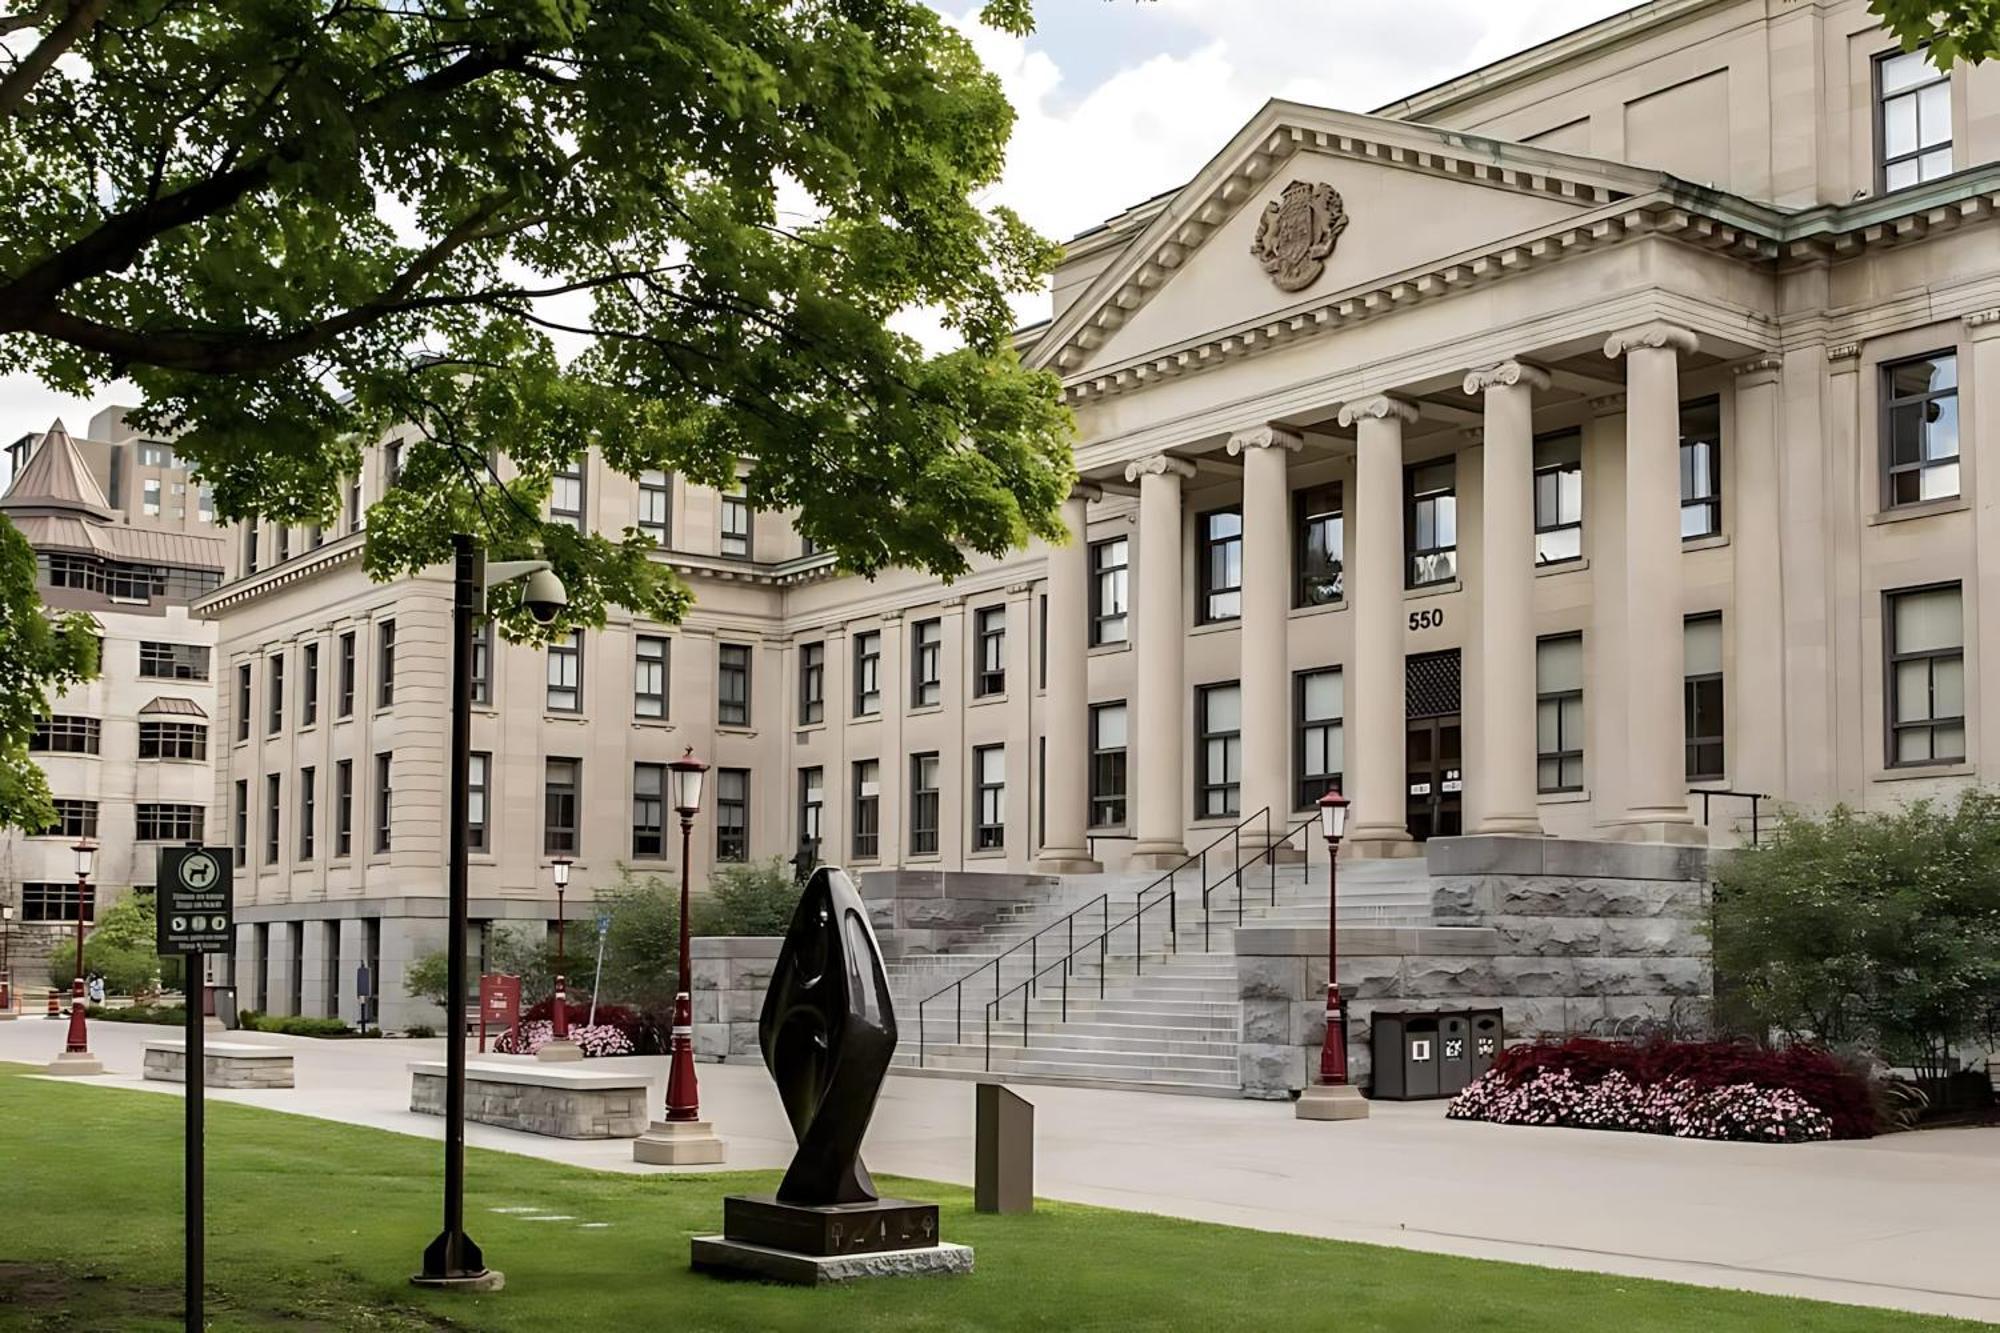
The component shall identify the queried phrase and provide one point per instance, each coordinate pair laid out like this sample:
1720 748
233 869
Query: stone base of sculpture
812 1244
678 1143
721 1257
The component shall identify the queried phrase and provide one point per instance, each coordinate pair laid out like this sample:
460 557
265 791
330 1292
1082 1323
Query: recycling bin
1420 1055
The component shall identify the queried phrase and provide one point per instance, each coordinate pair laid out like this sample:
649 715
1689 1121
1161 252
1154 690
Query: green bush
755 898
172 1014
119 947
294 1025
1873 931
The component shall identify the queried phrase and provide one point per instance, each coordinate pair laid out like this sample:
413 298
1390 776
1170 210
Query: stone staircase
1150 1007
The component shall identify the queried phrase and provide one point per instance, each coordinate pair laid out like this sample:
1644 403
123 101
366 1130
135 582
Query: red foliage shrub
1815 1074
648 1034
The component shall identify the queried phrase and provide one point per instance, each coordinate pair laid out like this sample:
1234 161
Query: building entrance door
1433 755
1432 759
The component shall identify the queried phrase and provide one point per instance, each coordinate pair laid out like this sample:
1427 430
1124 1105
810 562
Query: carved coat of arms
1297 233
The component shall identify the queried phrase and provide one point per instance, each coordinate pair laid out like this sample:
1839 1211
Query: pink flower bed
599 1040
1742 1112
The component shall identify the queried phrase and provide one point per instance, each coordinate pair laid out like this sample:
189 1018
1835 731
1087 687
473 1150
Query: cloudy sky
1121 99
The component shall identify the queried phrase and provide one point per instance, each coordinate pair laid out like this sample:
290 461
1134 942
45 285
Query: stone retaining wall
555 1109
730 974
261 1068
927 911
1562 935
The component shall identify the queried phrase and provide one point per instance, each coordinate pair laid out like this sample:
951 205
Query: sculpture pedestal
1330 1101
678 1143
811 1245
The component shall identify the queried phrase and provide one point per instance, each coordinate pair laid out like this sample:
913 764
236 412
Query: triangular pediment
1394 197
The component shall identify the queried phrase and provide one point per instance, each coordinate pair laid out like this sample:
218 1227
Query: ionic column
1376 708
1159 704
1267 579
1507 587
1064 850
1655 743
1755 712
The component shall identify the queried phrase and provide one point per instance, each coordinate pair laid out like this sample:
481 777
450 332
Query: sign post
196 907
499 1005
597 977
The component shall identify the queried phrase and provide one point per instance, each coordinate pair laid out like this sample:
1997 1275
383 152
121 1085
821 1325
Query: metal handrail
1754 797
1269 855
1032 944
1136 919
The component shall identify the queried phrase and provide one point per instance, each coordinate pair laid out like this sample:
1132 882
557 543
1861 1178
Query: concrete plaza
1904 1221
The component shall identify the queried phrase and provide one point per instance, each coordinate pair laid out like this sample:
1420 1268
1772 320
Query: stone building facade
1599 427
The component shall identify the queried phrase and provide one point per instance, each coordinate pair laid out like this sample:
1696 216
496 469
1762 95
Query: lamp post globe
1333 1050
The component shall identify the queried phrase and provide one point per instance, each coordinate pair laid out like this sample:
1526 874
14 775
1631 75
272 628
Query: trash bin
1431 1054
225 1006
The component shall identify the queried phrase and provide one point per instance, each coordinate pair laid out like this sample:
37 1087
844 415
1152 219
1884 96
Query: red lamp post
559 1006
683 1097
1333 1051
86 857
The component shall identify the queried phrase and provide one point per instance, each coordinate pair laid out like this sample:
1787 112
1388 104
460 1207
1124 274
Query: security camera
545 597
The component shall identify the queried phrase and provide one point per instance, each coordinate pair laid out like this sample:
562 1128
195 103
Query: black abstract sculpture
828 1031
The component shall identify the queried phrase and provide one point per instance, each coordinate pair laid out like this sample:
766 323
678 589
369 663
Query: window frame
1711 502
927 664
1891 659
1107 809
349 674
727 669
1690 691
482 663
650 654
562 674
812 807
989 642
1880 99
868 673
571 472
343 808
649 839
385 802
1886 416
385 665
926 803
732 543
1551 525
562 806
172 742
79 734
1308 516
169 821
1413 554
1563 755
308 796
732 840
865 835
75 817
812 683
989 798
274 814
308 685
274 694
1205 788
478 800
174 661
1303 731
1208 545
1113 583
661 493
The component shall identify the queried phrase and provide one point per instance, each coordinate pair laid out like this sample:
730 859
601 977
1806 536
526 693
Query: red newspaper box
499 1005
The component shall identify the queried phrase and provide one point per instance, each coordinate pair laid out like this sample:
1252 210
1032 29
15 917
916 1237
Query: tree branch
21 80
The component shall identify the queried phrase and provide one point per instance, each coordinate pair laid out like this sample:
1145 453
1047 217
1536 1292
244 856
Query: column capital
1506 375
1159 465
1982 324
1758 370
1265 437
1087 491
1379 408
1658 333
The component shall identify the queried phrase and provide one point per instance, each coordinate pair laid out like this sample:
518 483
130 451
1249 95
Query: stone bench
225 1064
561 1102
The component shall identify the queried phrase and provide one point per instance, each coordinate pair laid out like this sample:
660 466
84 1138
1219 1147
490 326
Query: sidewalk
1905 1221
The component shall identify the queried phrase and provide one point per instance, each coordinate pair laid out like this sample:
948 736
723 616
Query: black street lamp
559 1046
1331 1097
453 1260
76 1057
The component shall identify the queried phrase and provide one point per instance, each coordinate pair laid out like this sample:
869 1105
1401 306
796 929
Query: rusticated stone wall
730 974
928 911
1562 935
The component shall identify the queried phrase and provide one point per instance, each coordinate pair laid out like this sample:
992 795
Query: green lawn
314 1225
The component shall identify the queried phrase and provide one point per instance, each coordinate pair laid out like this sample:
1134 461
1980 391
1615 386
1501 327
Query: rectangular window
173 740
649 676
173 661
1701 646
152 454
355 514
478 790
344 705
732 683
343 807
1913 119
566 495
565 673
561 783
1219 724
1320 703
927 664
812 807
1926 676
1042 642
1318 545
482 663
989 673
989 798
385 665
655 495
868 673
150 501
1430 522
274 695
736 526
1221 565
240 820
1559 713
274 792
1110 591
1920 429
649 809
308 811
1701 468
243 702
867 809
732 814
384 801
1107 765
67 735
392 462
73 819
250 547
204 505
1559 497
812 683
284 533
309 685
58 900
924 777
